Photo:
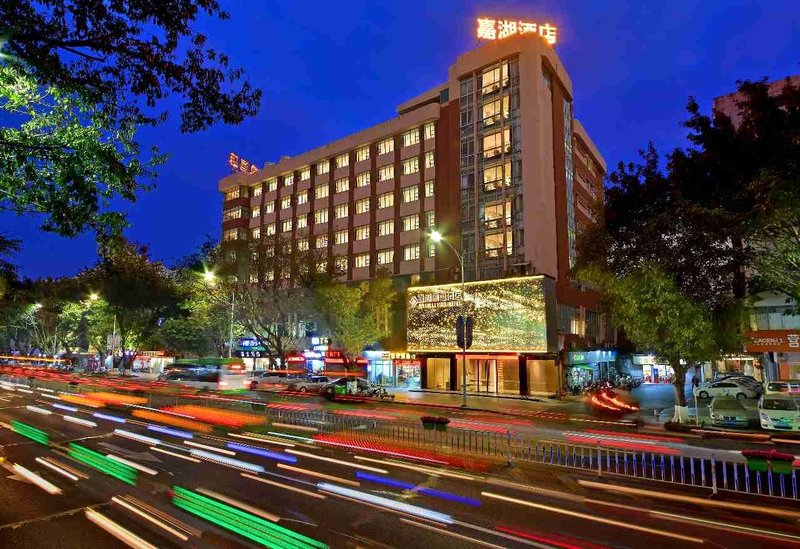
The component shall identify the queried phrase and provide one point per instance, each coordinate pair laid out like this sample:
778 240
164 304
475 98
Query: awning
582 366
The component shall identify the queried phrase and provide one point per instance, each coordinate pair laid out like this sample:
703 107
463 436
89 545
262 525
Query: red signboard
774 341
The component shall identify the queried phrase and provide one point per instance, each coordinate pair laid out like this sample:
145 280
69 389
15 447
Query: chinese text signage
775 341
497 29
241 165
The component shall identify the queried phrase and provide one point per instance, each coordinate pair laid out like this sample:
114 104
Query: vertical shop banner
509 315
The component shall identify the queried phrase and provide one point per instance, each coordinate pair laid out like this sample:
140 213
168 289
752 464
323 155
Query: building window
362 232
410 193
430 219
411 137
302 197
493 112
362 154
430 130
410 222
386 227
411 165
430 160
340 211
272 184
288 180
386 172
362 179
495 78
497 143
233 193
302 244
233 213
305 173
269 207
321 216
569 172
411 252
386 200
429 188
497 215
270 229
302 221
342 185
230 234
340 237
362 205
341 264
322 241
342 160
321 191
361 261
431 250
286 225
255 234
255 211
385 256
323 167
493 244
286 202
497 176
257 190
386 146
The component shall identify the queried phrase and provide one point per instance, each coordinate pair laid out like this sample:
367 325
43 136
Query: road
336 496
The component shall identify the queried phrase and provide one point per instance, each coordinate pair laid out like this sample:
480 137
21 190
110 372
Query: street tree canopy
78 79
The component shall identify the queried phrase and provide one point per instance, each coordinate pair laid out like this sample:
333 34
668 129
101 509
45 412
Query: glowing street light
209 277
37 306
93 297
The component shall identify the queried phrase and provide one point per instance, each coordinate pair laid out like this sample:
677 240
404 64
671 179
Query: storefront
390 369
778 353
650 370
583 367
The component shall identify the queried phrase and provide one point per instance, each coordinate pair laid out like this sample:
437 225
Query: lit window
494 78
255 233
253 278
431 250
493 244
286 225
341 263
430 130
386 200
286 202
233 213
257 190
362 179
497 215
493 112
410 222
497 176
321 216
269 207
386 172
269 252
271 229
411 165
362 232
362 205
302 221
321 191
269 276
411 137
302 197
386 227
322 241
230 234
255 211
342 185
305 173
362 154
288 180
361 261
272 184
342 160
233 193
340 211
410 193
411 252
430 160
429 188
430 219
340 237
323 167
322 266
302 244
385 256
386 146
496 143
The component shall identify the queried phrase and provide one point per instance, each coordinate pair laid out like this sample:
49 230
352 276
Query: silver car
313 384
731 412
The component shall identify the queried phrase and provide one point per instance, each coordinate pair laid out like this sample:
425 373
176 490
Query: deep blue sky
329 69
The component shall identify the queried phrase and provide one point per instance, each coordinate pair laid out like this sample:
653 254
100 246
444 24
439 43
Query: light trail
405 508
262 439
295 427
65 407
379 451
125 536
168 431
57 469
277 456
79 421
138 438
338 461
133 464
284 486
222 460
38 410
444 532
152 519
419 468
65 467
109 417
212 448
175 454
318 475
239 504
48 487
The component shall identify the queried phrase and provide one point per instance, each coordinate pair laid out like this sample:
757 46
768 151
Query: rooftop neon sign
497 29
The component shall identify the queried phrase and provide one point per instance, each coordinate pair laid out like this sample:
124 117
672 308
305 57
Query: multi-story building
492 158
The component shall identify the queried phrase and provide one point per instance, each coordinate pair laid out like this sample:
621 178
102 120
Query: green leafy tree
343 312
78 79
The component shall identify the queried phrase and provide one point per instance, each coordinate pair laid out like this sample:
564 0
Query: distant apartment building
494 160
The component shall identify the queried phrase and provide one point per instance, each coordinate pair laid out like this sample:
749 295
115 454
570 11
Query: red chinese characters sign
775 341
497 29
241 165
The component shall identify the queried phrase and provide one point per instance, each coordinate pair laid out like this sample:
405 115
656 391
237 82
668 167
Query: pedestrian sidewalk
509 405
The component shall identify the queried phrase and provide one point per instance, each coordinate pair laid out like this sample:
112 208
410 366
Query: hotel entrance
491 374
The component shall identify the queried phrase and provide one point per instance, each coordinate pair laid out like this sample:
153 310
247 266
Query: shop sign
312 355
248 342
586 357
497 29
239 164
250 353
766 341
406 362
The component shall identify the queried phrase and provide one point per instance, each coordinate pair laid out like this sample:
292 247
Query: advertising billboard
509 314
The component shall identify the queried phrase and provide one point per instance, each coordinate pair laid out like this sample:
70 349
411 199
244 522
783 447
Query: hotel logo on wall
497 29
241 165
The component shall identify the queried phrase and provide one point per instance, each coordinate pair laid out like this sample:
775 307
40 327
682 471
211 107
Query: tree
8 272
80 78
343 311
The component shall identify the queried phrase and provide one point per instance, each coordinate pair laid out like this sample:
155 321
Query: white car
726 387
778 412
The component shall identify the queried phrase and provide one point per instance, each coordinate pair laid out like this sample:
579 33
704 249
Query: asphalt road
339 497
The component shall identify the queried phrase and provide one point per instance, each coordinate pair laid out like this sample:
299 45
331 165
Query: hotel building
493 158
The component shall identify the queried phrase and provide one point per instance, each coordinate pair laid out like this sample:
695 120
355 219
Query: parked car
311 384
784 386
328 390
728 411
779 412
271 379
726 387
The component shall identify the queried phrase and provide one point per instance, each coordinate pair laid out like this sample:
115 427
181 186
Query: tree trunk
681 414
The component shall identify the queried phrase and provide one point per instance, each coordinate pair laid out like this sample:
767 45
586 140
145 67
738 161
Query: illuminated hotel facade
494 160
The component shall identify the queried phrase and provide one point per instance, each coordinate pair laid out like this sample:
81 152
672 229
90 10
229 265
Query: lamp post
210 277
437 238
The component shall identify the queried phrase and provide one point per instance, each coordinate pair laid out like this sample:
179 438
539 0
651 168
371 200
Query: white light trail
222 460
175 454
212 448
80 421
284 486
133 464
338 461
48 487
387 503
138 438
125 536
162 525
239 504
58 470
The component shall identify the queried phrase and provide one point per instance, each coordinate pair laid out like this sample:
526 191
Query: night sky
329 69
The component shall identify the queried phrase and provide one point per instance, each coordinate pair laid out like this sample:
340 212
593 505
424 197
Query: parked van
779 412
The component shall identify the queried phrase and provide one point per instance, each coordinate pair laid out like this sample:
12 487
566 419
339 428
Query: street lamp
210 278
437 238
93 297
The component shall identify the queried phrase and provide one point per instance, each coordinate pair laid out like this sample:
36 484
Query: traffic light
460 332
